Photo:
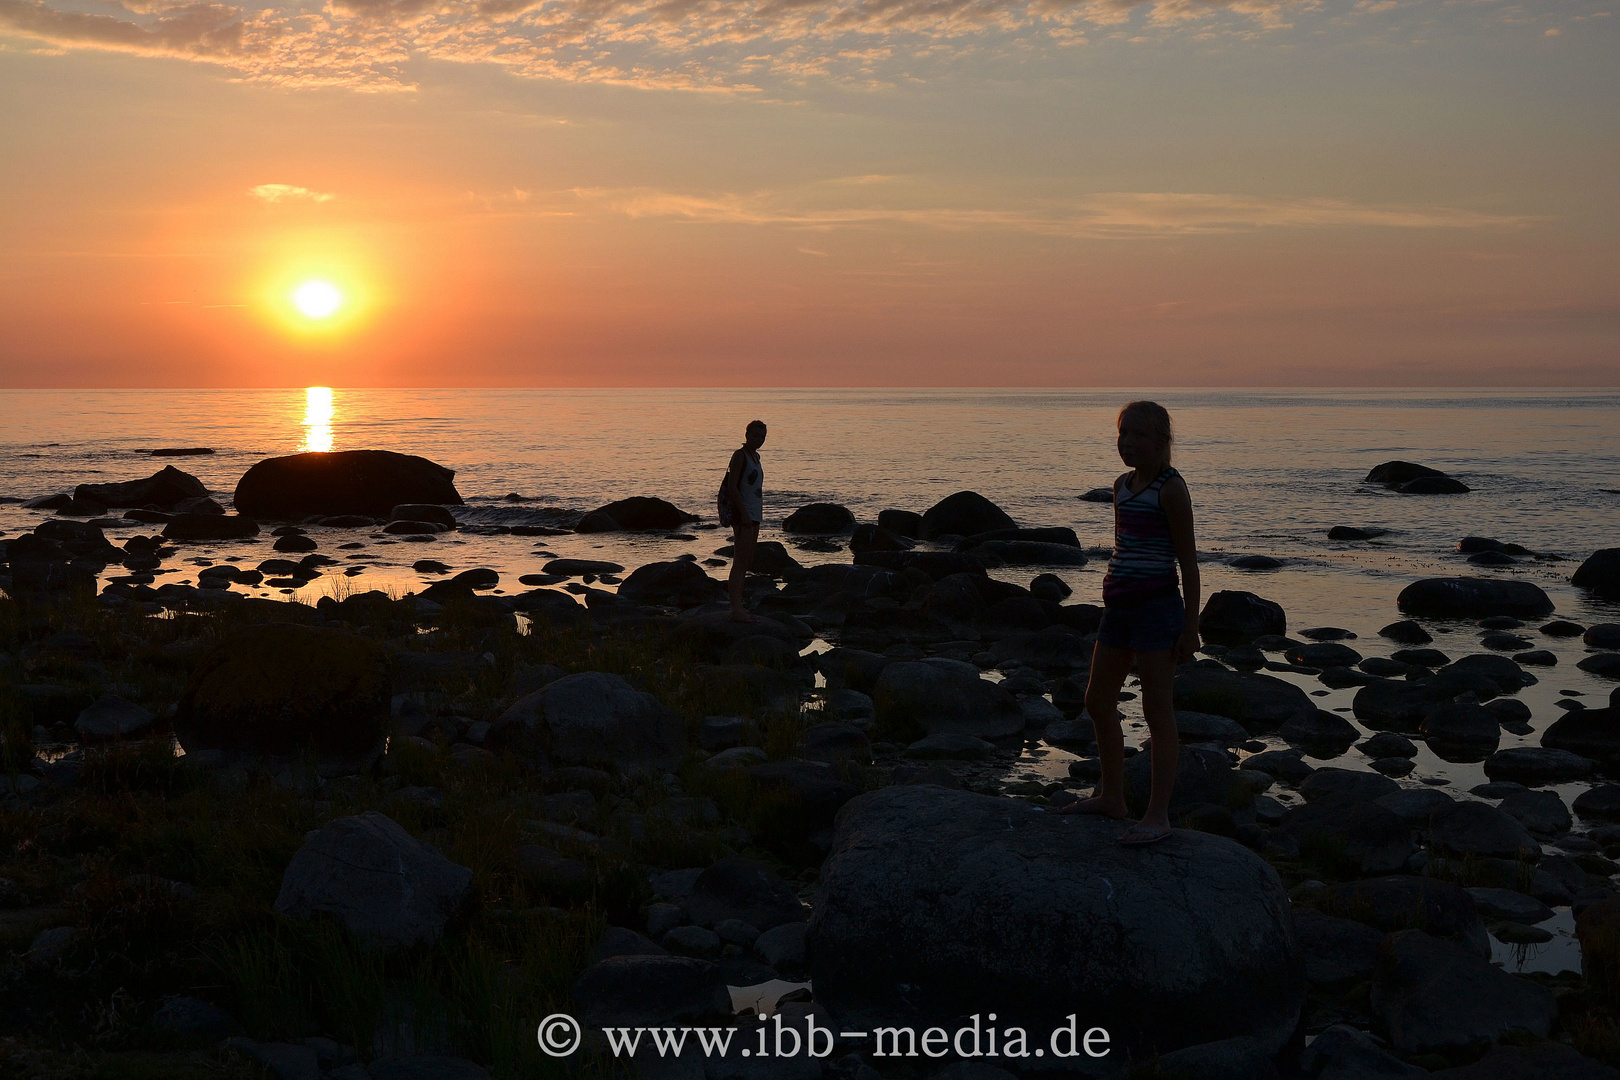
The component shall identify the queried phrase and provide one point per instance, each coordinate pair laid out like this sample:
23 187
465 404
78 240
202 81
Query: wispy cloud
1116 215
274 193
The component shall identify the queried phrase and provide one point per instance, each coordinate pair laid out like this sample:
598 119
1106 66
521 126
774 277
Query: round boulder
821 517
965 513
944 696
593 718
1600 573
370 482
1231 617
1473 598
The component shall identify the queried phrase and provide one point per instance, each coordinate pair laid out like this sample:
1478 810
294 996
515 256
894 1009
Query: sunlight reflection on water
318 413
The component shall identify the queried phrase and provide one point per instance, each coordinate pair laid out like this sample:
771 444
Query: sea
1270 472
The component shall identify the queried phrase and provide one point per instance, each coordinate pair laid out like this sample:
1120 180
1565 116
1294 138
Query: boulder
165 489
1399 472
821 517
1033 553
1197 727
807 793
1604 665
1352 532
580 567
111 717
1255 562
965 513
1321 729
938 696
593 718
877 538
1237 618
1600 573
1593 733
1332 785
1406 632
1435 998
640 513
1203 776
369 482
1337 951
375 878
746 890
1403 902
1433 485
681 583
1537 765
1361 837
1344 1053
904 522
1473 598
1400 705
1602 636
1261 703
1539 811
1462 724
1323 654
1474 829
201 527
936 904
1599 802
1543 1061
283 687
433 515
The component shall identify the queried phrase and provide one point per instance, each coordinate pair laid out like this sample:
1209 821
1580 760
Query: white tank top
751 486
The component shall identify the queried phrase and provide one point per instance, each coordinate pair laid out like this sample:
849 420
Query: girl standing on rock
1145 618
741 506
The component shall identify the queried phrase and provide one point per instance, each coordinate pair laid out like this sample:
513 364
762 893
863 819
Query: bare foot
1140 835
1097 805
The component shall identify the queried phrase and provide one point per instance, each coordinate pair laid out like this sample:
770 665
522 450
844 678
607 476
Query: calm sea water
1270 472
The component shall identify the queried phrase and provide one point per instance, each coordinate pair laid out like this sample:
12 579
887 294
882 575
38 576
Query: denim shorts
1152 626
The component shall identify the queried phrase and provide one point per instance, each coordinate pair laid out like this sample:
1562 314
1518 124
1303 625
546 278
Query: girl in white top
745 483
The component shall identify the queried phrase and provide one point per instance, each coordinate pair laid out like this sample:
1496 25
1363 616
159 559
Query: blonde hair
1157 419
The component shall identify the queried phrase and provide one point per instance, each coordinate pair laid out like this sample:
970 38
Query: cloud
274 193
1106 215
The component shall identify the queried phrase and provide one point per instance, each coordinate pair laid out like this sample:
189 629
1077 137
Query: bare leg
1158 671
1109 666
742 555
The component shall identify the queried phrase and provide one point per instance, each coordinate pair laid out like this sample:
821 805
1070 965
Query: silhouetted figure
742 507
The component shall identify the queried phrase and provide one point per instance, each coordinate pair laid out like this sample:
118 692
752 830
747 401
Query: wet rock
1337 951
1285 765
1536 658
1473 598
1401 902
943 696
1361 836
1397 472
1237 618
1097 495
1050 587
965 513
1481 831
1433 485
1320 729
1593 733
1604 665
1504 673
1208 727
819 518
1401 705
1388 744
1600 573
1032 553
1261 703
950 745
593 718
877 538
197 527
680 583
280 687
746 890
376 879
111 717
1599 802
581 567
1345 786
1414 805
1537 765
1539 811
1255 562
1511 905
1351 532
640 513
1406 632
369 482
165 489
1462 724
968 899
1433 997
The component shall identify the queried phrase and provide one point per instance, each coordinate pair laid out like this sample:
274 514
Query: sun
317 299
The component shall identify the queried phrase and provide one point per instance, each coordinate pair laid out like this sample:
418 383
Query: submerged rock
937 904
377 879
370 482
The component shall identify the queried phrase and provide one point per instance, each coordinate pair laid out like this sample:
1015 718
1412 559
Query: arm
1178 508
734 477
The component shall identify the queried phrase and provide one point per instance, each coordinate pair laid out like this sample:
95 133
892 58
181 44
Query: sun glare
317 299
318 414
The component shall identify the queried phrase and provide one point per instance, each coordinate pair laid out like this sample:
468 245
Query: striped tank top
1143 567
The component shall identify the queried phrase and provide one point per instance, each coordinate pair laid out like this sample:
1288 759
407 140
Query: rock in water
210 527
165 489
280 687
1473 598
819 518
904 522
944 696
1261 703
370 482
1600 573
1231 617
637 513
1400 472
936 904
593 718
377 879
681 583
1433 485
965 513
1433 997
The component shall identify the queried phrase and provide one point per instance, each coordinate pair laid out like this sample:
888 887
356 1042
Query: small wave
555 517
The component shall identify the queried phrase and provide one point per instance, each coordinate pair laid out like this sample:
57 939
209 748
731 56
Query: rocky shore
384 835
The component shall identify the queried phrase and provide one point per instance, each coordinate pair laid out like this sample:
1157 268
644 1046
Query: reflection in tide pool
317 419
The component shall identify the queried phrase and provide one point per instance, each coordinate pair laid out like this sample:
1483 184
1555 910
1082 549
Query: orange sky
975 192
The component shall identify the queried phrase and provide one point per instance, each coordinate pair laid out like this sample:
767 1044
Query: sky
809 193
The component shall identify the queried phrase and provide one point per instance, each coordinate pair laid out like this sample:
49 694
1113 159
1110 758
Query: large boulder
1473 598
1232 617
940 696
282 687
369 482
681 583
165 489
965 513
1474 829
378 880
1400 705
593 718
819 518
1361 837
1600 573
1435 998
1593 733
640 513
936 904
1261 703
1399 472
